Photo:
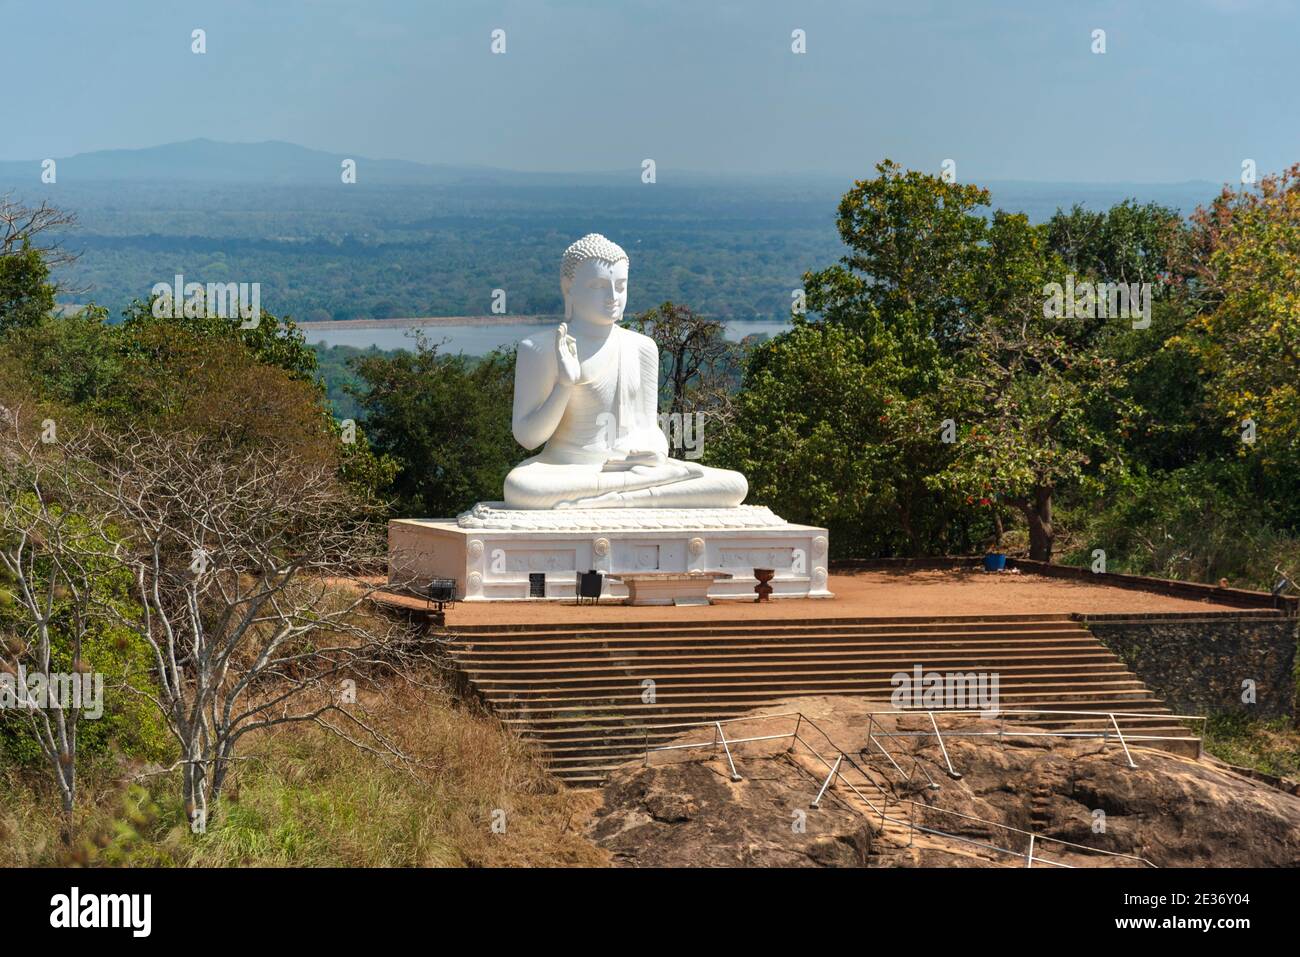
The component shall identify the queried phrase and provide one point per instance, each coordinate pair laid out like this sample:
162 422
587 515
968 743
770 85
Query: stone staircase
594 695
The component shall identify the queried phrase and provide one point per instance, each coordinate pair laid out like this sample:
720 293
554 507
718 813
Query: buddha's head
593 278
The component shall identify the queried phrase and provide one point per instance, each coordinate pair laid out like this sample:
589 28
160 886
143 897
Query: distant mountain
277 163
212 161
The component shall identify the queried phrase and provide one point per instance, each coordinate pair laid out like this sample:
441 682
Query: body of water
476 340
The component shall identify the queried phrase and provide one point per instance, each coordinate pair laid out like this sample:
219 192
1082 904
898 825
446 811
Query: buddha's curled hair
590 246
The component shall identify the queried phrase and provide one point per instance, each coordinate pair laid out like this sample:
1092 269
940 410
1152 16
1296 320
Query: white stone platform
491 550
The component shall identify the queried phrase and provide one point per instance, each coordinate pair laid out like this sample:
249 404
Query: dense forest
426 241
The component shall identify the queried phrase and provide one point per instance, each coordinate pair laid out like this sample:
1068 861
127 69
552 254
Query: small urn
763 589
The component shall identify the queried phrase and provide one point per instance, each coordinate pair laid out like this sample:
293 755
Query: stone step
576 689
490 675
763 624
784 649
602 656
919 631
742 702
876 682
583 729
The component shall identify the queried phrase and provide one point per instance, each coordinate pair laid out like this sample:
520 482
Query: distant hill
274 162
211 161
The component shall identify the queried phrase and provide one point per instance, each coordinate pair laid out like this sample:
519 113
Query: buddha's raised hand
566 353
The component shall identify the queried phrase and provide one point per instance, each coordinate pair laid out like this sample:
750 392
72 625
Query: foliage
697 363
307 799
1248 339
825 432
913 263
129 727
445 420
26 295
1272 746
1028 399
1128 243
202 373
271 341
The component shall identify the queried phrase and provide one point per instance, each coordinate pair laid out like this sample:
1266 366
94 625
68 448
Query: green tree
827 434
913 263
1247 336
1034 405
26 295
1128 243
444 420
273 341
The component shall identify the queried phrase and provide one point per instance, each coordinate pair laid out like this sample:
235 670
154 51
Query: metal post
911 824
794 736
934 724
871 739
1031 850
829 778
735 776
1120 734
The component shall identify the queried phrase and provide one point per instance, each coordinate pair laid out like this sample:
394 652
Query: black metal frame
589 585
440 593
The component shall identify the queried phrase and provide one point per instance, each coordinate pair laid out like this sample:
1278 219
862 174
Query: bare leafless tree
39 225
253 578
51 557
701 368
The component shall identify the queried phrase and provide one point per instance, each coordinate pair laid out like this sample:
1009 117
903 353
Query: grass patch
1271 746
304 798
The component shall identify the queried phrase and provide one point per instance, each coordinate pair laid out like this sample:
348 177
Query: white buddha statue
589 390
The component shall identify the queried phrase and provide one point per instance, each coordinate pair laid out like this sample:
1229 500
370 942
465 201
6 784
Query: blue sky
1009 90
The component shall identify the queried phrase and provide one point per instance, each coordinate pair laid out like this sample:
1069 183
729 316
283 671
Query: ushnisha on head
593 279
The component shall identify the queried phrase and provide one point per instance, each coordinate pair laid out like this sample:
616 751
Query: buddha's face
598 292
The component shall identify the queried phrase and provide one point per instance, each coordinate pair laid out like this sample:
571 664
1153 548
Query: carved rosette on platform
603 493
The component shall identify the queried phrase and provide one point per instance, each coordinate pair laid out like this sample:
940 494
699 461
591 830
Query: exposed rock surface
684 810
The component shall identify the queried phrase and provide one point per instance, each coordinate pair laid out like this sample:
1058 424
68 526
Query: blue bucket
995 562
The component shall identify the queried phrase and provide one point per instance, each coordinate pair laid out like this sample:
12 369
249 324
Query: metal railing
844 759
1002 731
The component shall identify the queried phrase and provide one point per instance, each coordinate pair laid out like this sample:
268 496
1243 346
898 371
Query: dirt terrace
864 594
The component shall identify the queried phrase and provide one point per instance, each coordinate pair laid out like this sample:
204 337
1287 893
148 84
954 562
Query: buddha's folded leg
708 488
543 485
546 485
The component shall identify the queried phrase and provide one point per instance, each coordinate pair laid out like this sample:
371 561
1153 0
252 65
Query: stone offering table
669 588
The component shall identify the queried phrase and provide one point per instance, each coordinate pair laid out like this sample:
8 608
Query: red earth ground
861 594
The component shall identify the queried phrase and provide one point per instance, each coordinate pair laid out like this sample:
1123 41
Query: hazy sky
1009 90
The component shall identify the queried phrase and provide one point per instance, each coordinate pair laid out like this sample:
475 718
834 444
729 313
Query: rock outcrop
683 809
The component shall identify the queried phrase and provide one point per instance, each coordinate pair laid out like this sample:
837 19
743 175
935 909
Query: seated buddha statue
588 391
